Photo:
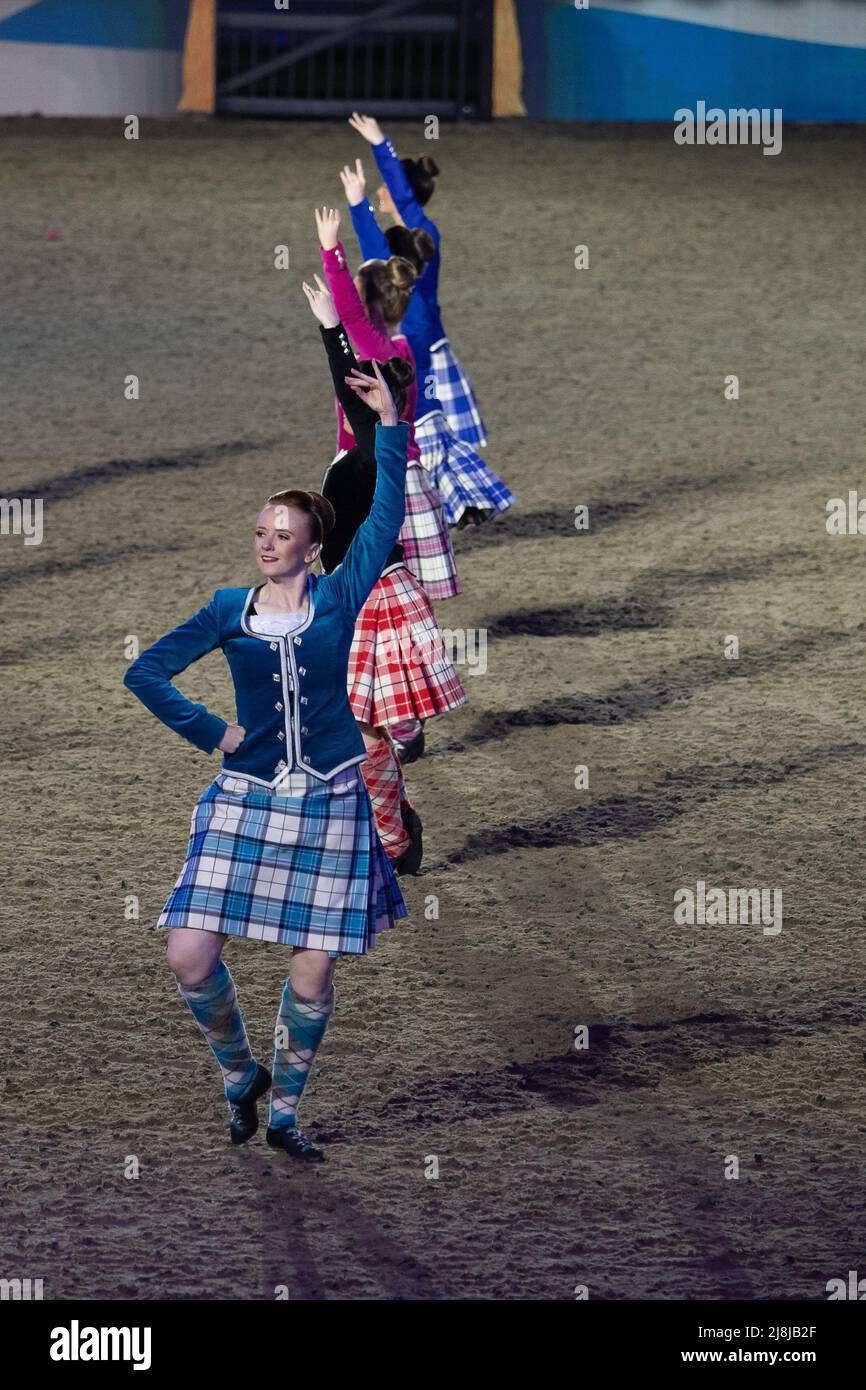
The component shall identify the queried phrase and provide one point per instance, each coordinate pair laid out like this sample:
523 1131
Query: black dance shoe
245 1117
295 1143
411 751
474 515
409 862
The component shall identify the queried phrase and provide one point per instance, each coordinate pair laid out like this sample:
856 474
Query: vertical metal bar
329 73
462 42
389 54
445 86
485 105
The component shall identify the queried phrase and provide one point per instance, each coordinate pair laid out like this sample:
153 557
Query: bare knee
193 955
312 973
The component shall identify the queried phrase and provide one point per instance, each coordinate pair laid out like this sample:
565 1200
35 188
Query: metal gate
329 57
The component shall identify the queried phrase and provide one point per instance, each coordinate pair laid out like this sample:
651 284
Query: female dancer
409 185
283 844
399 670
468 488
375 331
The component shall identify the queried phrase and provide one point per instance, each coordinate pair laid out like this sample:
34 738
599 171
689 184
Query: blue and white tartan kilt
301 866
460 476
454 390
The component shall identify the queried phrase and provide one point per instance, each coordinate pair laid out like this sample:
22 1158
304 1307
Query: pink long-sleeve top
366 340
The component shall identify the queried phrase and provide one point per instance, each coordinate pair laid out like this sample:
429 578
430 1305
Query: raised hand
354 183
322 304
232 738
328 227
373 390
368 127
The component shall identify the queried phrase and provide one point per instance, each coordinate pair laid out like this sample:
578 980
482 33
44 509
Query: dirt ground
558 1168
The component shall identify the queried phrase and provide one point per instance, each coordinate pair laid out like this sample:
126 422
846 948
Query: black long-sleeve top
350 481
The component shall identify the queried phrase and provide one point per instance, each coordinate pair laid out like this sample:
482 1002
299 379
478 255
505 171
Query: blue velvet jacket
420 324
413 215
290 691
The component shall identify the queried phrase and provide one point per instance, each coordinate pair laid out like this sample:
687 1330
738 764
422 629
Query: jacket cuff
397 432
334 256
207 731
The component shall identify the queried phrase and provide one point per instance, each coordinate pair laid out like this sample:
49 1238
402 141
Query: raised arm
150 678
368 340
355 577
371 238
394 174
342 362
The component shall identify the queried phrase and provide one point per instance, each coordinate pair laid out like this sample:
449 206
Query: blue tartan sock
214 1006
301 1025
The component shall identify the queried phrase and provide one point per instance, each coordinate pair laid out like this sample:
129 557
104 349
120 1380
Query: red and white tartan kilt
425 537
399 667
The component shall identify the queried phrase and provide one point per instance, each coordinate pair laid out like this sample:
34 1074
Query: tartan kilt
398 666
303 866
454 390
460 476
425 538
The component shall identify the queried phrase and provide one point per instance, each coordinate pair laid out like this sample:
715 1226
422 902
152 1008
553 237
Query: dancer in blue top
469 489
283 844
409 186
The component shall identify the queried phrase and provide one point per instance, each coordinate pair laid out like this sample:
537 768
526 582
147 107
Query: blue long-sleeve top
290 691
420 324
413 215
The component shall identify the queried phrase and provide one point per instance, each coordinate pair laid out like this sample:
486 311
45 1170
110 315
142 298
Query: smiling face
284 543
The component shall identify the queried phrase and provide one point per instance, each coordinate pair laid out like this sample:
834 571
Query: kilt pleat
454 390
426 540
399 667
461 477
301 869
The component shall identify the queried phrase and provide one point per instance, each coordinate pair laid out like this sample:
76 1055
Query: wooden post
199 58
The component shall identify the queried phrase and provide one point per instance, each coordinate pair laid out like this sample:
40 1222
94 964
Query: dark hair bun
422 174
412 243
399 375
400 371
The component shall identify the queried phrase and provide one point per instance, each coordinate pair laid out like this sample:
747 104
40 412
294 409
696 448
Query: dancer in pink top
371 307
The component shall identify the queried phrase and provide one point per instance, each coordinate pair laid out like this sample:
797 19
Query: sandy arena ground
605 386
